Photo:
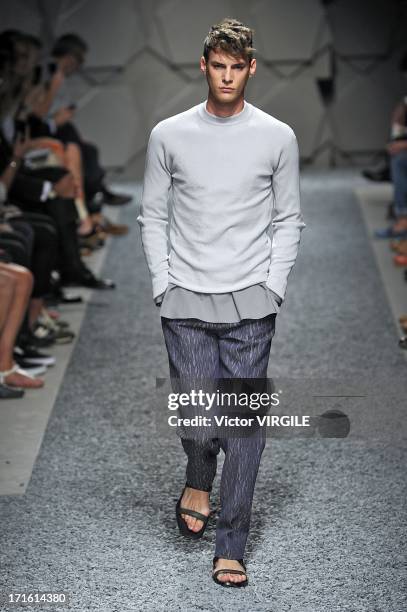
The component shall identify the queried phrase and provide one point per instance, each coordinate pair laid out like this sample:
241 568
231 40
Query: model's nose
227 77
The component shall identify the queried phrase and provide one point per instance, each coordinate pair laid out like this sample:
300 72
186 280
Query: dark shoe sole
7 392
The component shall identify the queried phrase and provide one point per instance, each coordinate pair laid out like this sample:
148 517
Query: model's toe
190 521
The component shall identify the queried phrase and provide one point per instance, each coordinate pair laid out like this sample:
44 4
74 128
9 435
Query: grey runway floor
328 526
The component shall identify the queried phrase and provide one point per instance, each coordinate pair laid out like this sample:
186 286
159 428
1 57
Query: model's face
227 75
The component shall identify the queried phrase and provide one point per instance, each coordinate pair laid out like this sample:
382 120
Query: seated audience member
57 109
51 192
397 151
30 240
93 227
53 196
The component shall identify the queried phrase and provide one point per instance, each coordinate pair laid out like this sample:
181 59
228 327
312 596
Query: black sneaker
30 354
31 369
40 337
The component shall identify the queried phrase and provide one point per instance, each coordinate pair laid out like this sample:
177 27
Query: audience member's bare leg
73 161
7 285
12 322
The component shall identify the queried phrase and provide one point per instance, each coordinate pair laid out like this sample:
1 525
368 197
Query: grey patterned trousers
203 350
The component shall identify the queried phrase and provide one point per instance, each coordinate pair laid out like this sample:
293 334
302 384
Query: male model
228 165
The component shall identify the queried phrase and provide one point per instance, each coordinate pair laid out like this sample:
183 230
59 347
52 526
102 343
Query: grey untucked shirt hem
254 302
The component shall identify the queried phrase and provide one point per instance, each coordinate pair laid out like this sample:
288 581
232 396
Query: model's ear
203 64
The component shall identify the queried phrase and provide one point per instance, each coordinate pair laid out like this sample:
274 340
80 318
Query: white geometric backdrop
327 68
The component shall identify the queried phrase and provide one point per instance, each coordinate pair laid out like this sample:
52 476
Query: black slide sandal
188 533
237 585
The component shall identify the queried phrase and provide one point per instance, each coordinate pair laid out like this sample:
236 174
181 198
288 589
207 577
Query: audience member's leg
398 165
7 287
92 170
64 216
73 160
16 248
23 284
44 260
24 232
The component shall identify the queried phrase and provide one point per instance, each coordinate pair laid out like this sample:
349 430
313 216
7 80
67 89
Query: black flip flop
183 527
237 585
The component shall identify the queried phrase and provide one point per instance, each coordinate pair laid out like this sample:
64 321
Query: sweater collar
231 120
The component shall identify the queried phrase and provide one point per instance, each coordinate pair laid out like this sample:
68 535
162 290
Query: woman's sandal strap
194 513
5 373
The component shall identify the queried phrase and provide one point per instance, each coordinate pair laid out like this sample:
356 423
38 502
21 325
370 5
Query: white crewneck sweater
230 177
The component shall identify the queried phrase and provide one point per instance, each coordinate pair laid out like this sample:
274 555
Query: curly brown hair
231 36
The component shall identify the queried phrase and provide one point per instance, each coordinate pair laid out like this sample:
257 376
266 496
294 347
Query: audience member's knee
6 279
23 276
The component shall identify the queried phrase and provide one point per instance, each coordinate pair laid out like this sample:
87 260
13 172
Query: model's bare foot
229 564
193 499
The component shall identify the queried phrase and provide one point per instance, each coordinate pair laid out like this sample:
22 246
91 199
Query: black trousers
33 244
62 214
16 247
44 251
92 170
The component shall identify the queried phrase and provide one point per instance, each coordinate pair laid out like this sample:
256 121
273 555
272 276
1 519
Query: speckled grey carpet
329 524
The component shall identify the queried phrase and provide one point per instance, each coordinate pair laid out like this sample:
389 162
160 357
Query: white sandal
15 369
6 373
